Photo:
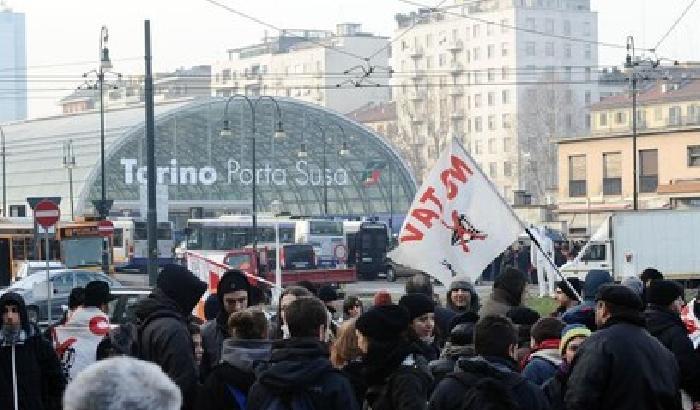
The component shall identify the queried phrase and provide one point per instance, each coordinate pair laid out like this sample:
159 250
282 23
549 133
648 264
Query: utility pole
151 213
631 65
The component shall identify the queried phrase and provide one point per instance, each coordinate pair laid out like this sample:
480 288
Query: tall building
13 65
506 78
311 65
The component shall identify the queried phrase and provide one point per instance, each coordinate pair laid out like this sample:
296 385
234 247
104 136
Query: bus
325 236
16 246
130 243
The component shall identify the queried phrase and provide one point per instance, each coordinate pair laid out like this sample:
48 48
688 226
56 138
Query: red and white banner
76 341
457 220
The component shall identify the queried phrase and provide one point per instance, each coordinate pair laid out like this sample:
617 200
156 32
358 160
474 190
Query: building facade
507 94
315 66
13 65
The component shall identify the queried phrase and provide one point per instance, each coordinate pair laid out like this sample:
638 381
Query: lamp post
69 164
631 64
279 133
276 208
4 173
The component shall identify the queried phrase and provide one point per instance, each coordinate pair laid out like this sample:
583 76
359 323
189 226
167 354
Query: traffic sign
46 213
105 228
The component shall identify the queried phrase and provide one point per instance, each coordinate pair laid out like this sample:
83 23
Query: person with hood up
30 373
621 366
299 372
545 357
228 385
233 293
491 377
665 301
555 388
396 372
164 336
77 339
584 313
462 297
421 328
564 296
459 345
508 291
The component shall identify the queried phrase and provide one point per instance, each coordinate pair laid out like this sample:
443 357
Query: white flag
457 220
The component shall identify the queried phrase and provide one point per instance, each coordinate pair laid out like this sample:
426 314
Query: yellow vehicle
81 244
16 246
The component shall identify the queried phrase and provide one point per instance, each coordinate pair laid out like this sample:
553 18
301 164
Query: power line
673 26
76 63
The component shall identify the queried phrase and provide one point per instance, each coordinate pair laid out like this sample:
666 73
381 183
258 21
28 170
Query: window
492 145
567 73
490 51
587 97
477 125
587 29
475 30
577 176
468 33
491 98
477 147
658 114
588 73
429 62
567 28
587 121
507 169
493 169
603 119
549 49
693 114
549 26
492 122
476 53
504 73
428 40
491 75
477 100
504 49
530 48
587 52
18 210
569 122
442 60
694 156
648 170
674 115
567 50
530 23
505 96
569 96
620 117
507 142
612 173
504 26
507 122
489 29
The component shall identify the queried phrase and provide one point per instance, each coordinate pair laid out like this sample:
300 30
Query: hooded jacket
301 364
166 341
449 394
236 371
40 382
542 365
668 328
448 359
584 313
619 359
78 338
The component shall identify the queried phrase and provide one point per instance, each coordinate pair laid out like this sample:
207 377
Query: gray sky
190 32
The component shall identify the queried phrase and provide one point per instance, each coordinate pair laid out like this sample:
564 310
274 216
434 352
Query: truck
629 242
368 242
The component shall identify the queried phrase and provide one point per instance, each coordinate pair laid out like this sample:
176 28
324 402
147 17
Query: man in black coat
165 339
621 366
28 362
665 299
492 374
299 370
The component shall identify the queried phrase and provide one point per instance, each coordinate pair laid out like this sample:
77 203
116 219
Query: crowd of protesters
632 345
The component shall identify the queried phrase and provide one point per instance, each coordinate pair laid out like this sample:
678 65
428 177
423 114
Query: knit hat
513 282
619 295
233 280
573 281
327 294
417 304
382 298
460 284
664 292
635 284
383 323
180 285
570 332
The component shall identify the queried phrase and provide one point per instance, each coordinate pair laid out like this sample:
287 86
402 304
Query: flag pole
522 224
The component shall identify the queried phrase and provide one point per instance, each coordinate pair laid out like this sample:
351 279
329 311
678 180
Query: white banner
457 220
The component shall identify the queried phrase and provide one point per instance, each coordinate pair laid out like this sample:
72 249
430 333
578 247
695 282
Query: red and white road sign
46 213
105 228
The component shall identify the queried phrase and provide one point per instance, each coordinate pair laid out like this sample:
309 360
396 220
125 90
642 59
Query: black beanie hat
664 292
619 295
180 285
417 304
512 281
232 280
573 281
383 323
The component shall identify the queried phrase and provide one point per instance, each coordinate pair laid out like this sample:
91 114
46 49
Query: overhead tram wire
75 63
673 26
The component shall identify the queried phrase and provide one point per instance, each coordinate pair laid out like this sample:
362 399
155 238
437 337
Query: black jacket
398 378
165 340
214 332
236 371
449 394
668 328
443 316
301 364
448 360
623 367
40 382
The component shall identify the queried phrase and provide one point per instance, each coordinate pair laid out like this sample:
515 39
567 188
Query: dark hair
650 274
546 328
420 283
247 324
304 316
297 291
349 303
620 310
309 286
494 335
258 296
76 297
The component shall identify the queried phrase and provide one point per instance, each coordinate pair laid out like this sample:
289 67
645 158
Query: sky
191 32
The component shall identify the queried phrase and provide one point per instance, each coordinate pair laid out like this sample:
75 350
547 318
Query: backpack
487 393
123 340
303 399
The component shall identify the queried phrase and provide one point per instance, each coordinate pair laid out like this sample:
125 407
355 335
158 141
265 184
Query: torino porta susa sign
301 174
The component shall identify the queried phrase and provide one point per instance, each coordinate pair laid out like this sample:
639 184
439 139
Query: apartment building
13 65
317 66
506 78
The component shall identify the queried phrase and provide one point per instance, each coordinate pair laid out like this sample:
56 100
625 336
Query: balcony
577 188
416 53
612 186
455 45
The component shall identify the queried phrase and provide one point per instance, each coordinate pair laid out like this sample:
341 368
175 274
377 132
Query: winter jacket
542 366
301 364
668 328
166 341
623 367
585 312
214 332
40 382
555 388
398 377
235 372
497 304
449 394
448 360
77 339
355 372
443 316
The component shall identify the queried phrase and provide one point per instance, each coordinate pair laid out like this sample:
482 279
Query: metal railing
612 186
648 183
577 188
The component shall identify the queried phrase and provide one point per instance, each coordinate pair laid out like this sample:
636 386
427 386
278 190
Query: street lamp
276 208
278 134
4 179
69 164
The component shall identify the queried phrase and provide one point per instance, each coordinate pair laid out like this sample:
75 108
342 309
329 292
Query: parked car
29 267
33 289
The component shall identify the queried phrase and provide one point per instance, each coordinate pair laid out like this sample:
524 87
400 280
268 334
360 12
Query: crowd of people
632 345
